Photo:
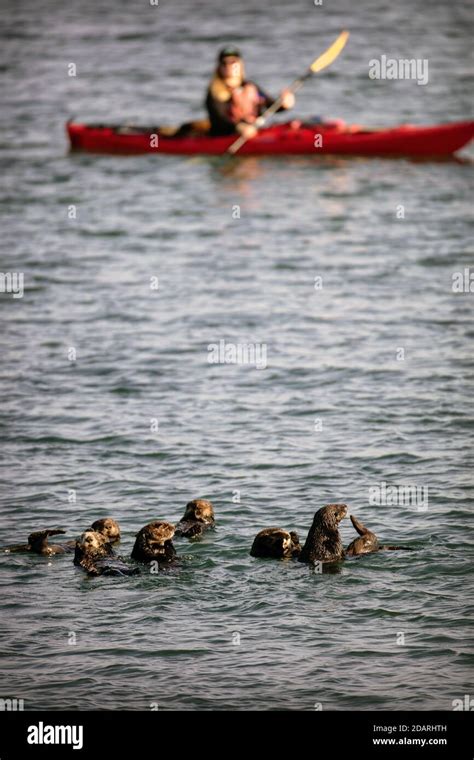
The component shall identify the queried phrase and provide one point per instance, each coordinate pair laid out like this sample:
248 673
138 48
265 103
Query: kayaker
233 102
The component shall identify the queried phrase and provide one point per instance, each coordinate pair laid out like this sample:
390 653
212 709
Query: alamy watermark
238 353
463 282
466 703
12 704
399 68
404 495
12 282
52 734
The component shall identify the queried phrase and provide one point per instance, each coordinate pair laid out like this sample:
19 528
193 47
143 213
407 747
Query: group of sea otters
94 551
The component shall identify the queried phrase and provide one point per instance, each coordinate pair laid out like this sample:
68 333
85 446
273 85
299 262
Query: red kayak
293 138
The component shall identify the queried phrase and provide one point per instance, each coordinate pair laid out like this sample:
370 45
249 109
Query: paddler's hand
246 130
287 99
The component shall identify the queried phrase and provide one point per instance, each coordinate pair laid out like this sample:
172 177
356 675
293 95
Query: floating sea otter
38 543
198 517
107 527
154 543
95 555
323 543
277 543
367 542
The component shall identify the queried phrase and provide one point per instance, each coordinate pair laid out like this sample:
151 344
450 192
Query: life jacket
244 104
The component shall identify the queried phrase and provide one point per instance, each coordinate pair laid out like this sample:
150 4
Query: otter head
323 542
109 528
329 517
199 510
154 541
367 543
92 544
159 533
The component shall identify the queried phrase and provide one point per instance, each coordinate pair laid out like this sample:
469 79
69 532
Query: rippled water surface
337 410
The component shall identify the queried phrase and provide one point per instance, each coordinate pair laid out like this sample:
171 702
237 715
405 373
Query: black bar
321 734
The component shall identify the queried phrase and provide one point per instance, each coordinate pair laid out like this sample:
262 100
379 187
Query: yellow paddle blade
331 53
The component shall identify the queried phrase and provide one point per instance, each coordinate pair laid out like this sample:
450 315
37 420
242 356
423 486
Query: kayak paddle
318 64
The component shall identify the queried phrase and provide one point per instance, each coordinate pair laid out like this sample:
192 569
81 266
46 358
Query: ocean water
368 377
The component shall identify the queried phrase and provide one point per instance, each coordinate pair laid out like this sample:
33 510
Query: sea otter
109 528
38 543
91 546
106 526
367 541
323 543
198 517
95 555
277 543
154 543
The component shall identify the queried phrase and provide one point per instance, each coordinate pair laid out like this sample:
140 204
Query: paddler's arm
287 100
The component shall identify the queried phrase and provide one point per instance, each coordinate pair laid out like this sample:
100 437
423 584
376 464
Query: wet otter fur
323 543
38 543
154 543
95 555
367 541
198 517
91 546
277 543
